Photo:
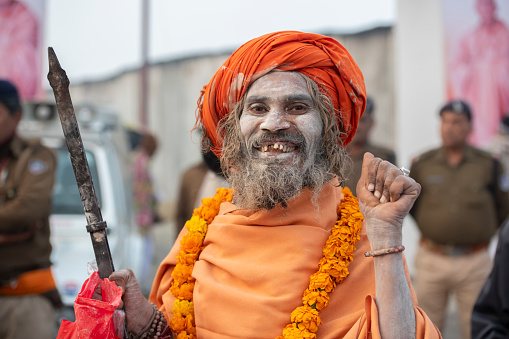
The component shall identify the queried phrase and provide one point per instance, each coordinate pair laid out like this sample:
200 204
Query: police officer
360 144
27 289
461 206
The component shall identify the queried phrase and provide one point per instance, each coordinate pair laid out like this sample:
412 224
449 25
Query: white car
107 151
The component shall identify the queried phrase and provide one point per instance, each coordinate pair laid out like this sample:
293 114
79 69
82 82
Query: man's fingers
404 186
368 174
122 278
390 176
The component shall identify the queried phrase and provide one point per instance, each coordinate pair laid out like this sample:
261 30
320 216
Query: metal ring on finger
406 171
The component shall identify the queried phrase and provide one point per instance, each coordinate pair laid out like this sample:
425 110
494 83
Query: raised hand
385 196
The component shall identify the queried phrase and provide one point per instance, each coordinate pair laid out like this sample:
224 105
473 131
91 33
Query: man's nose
274 121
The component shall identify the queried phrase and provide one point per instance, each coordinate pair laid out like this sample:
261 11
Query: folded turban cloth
321 58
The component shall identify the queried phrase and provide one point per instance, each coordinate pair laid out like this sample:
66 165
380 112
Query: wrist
143 320
382 235
385 241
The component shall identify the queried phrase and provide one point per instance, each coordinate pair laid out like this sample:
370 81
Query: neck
489 23
455 154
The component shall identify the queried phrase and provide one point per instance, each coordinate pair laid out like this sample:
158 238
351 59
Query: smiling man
286 253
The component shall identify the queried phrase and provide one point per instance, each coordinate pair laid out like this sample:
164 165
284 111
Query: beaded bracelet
155 327
384 251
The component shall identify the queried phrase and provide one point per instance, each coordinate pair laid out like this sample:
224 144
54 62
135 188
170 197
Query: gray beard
263 184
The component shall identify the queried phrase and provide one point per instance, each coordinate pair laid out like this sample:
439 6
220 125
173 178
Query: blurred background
147 60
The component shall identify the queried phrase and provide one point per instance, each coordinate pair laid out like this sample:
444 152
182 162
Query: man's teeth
278 146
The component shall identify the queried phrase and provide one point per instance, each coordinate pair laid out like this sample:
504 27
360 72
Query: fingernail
378 194
371 187
383 199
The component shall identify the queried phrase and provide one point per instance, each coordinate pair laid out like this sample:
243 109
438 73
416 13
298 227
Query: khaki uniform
26 183
458 212
355 175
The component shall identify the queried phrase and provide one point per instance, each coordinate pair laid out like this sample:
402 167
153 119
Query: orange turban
321 58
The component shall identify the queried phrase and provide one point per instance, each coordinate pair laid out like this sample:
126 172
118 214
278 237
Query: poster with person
477 61
21 34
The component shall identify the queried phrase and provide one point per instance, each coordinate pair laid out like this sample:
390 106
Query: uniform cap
9 96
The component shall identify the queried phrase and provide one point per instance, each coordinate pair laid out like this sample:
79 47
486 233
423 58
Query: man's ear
17 116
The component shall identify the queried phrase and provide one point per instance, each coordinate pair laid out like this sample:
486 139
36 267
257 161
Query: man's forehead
453 115
291 97
289 85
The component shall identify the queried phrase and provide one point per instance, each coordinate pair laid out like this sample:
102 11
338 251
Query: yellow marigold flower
183 307
306 318
322 281
319 299
197 225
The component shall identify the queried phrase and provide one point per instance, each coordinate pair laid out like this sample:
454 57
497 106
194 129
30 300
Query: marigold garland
332 269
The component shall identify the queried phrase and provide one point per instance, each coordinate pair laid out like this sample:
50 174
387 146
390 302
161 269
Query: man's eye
298 109
257 108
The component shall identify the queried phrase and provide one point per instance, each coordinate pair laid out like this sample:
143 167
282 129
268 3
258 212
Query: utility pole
143 102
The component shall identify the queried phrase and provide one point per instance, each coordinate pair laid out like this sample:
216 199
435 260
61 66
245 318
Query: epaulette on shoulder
34 143
482 153
426 155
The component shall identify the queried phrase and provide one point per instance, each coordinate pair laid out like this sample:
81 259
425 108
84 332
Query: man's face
486 10
8 123
455 129
280 123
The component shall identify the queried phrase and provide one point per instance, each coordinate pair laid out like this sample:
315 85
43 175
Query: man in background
145 204
461 206
489 318
360 144
198 182
480 71
27 289
19 47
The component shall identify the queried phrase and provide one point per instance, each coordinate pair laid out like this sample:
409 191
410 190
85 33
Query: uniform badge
37 166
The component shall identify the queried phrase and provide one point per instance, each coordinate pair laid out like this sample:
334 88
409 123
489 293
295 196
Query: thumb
364 179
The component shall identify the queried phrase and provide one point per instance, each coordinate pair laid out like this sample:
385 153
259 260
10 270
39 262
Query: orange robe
256 265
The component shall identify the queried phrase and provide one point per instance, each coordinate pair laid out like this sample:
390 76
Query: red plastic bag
94 318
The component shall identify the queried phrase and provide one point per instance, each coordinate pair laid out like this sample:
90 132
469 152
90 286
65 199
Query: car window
66 197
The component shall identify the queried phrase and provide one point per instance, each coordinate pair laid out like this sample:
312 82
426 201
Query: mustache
262 137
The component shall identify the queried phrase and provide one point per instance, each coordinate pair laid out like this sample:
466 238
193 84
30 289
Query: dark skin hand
138 310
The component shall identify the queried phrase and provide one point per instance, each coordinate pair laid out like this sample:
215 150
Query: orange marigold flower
185 335
322 281
292 332
182 273
183 291
190 325
319 299
186 291
177 323
186 258
191 243
306 318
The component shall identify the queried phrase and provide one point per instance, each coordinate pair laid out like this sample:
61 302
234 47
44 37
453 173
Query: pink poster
21 33
477 55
